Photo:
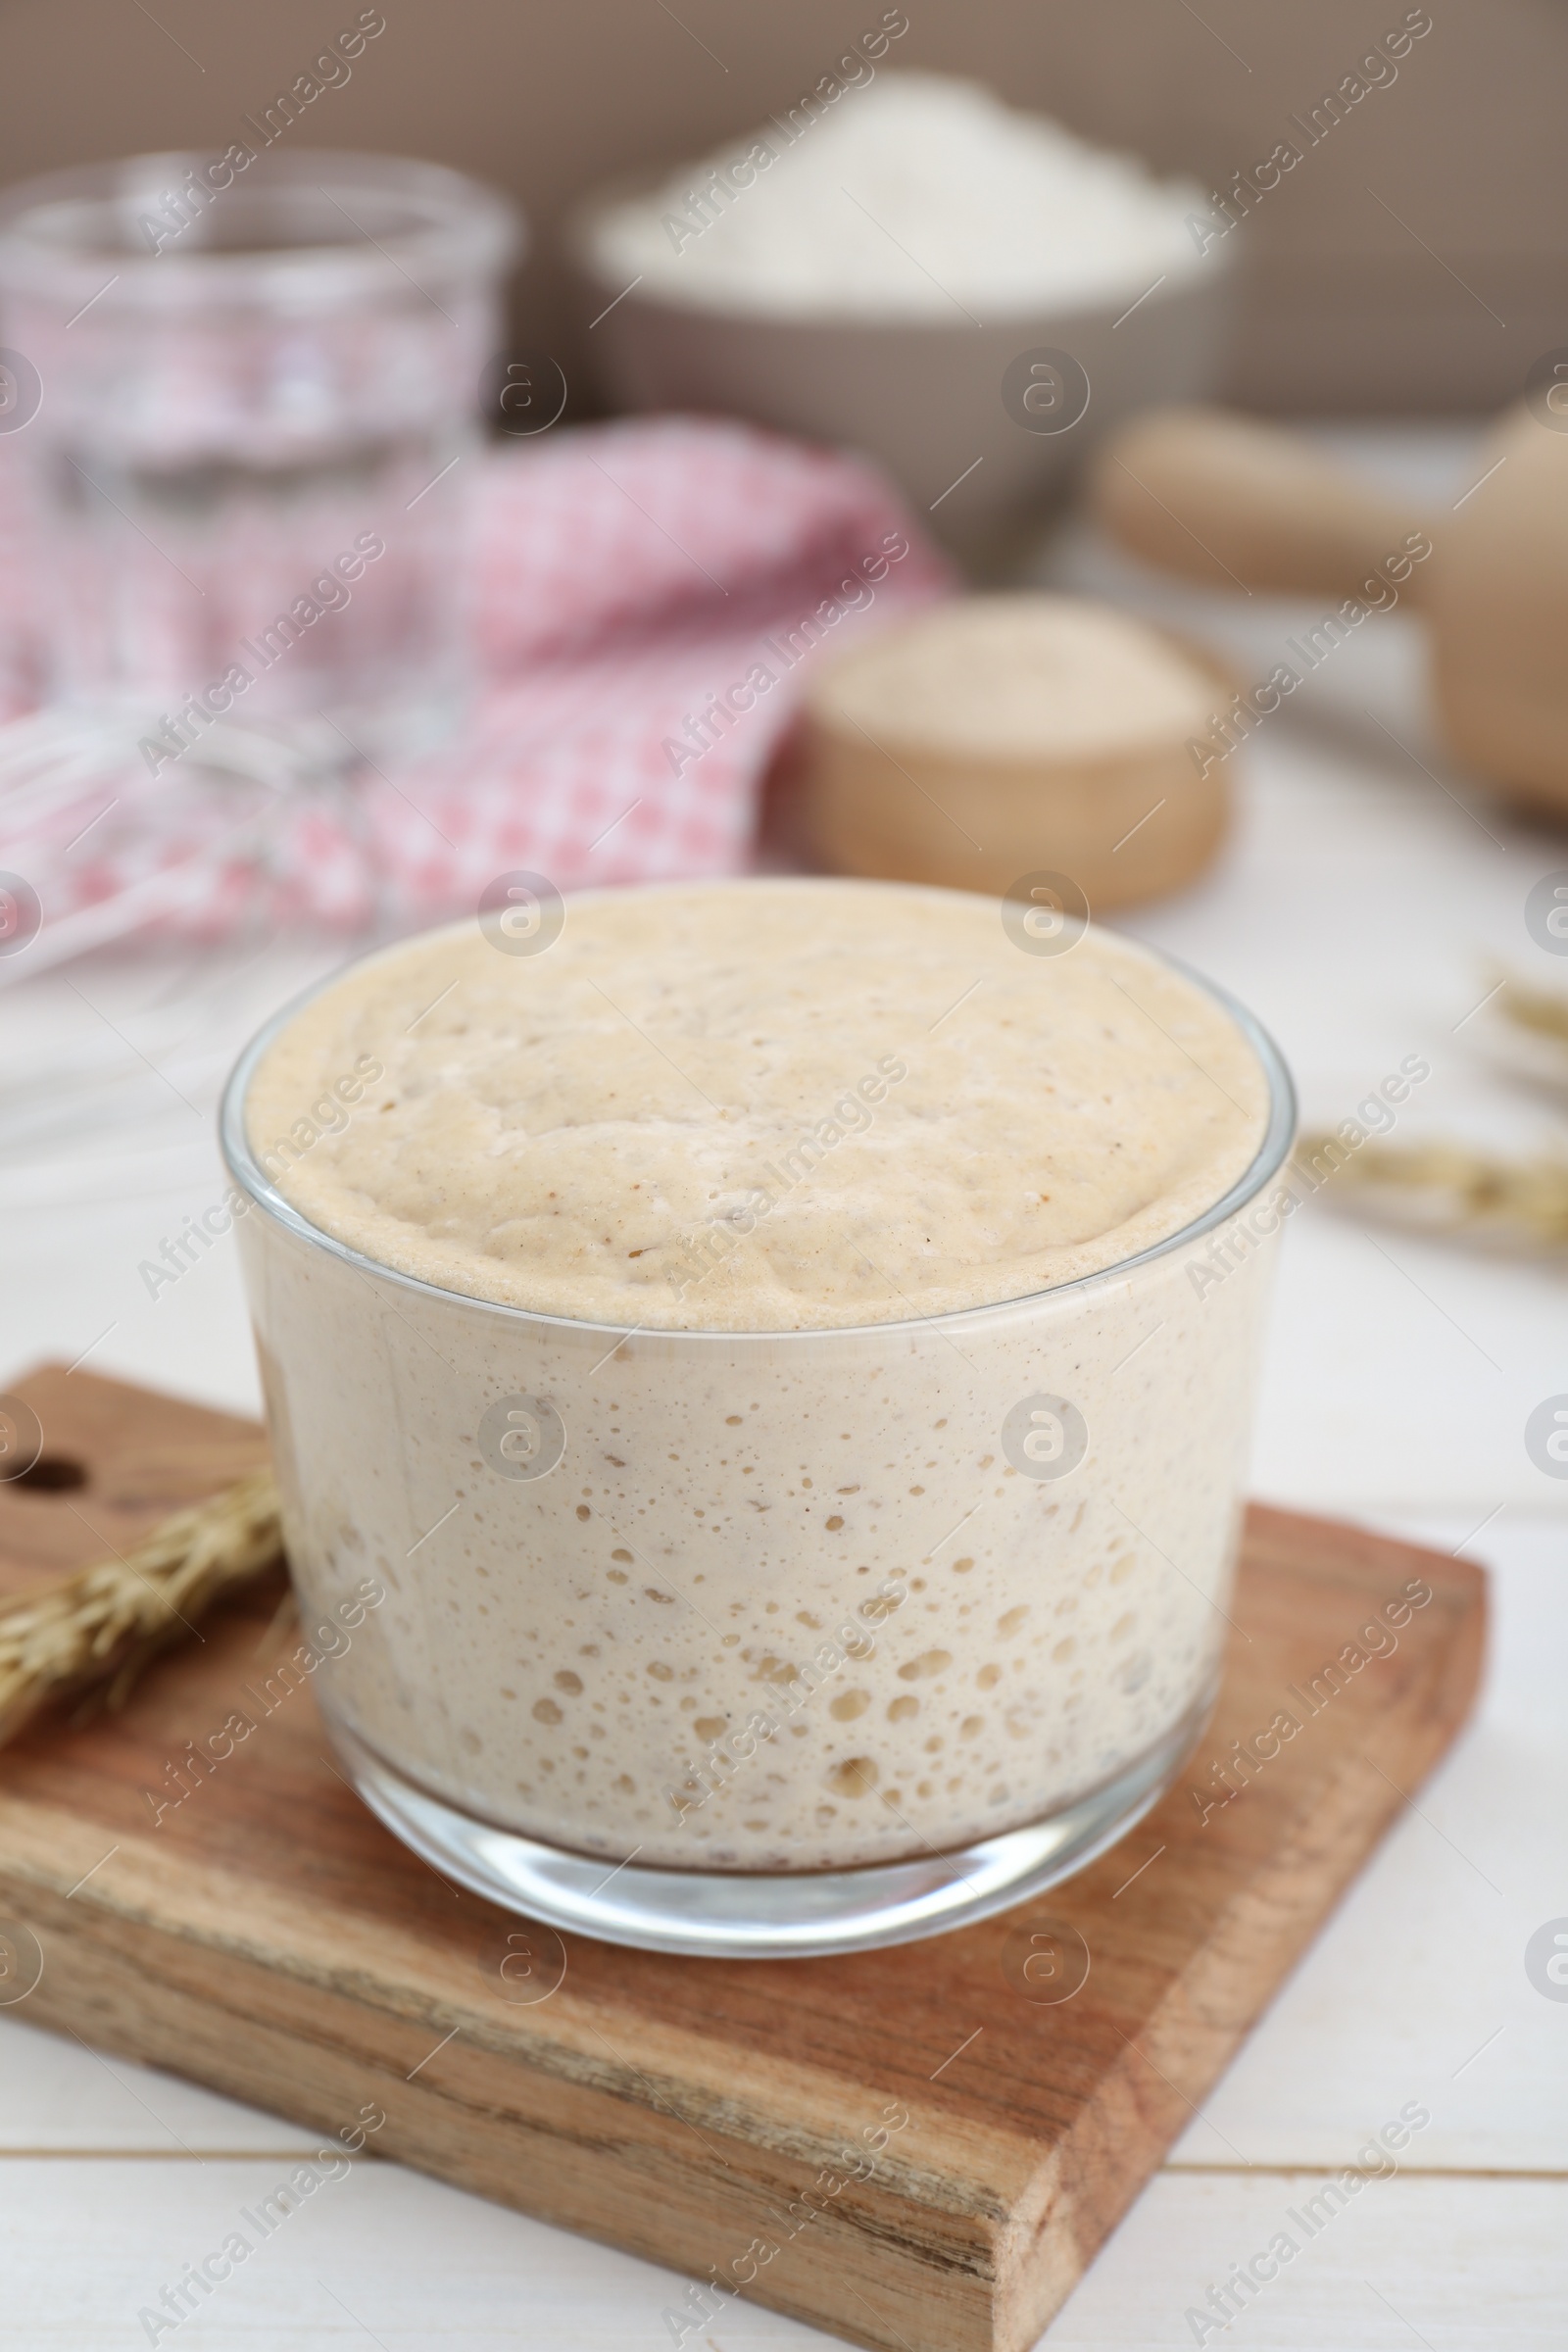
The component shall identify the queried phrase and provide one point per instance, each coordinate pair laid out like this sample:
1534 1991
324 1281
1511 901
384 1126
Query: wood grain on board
266 1937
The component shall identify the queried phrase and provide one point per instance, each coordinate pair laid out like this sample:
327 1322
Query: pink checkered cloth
628 573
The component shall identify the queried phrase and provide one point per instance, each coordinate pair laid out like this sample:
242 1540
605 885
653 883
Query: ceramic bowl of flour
975 323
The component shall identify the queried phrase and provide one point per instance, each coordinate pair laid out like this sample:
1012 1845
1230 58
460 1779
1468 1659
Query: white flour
916 198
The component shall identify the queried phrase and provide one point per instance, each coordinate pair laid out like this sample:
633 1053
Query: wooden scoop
1224 502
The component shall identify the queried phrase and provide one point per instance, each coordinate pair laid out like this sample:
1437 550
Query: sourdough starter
791 1567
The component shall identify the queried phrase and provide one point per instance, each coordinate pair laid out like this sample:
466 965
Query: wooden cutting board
1007 2089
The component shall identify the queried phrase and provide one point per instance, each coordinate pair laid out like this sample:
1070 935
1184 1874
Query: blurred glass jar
250 382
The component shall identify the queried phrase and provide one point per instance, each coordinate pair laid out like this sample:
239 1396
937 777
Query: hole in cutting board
52 1474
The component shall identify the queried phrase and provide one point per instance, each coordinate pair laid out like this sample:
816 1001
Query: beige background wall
1348 307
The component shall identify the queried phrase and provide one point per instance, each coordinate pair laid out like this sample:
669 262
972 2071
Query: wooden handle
1221 501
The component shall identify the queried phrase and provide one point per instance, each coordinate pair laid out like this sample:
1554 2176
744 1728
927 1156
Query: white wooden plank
1458 2265
95 1170
384 2255
379 2256
58 2095
1417 1987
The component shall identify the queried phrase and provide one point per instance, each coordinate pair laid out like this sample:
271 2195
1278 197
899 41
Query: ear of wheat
1539 1009
93 1632
1446 1188
1523 1031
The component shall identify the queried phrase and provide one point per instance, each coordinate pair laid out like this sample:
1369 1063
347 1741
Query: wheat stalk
98 1628
1539 1009
1446 1188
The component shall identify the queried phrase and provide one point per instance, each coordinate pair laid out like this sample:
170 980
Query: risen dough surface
758 1106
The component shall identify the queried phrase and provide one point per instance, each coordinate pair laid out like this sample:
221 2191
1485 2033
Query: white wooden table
1355 914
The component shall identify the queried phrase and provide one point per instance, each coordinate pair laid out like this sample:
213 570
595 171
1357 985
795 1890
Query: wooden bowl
1124 820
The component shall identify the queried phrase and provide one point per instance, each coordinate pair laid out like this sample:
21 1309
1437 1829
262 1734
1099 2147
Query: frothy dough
768 1106
792 1602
